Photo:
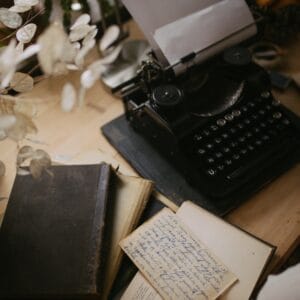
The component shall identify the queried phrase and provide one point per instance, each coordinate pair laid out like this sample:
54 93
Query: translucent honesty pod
10 19
68 97
26 33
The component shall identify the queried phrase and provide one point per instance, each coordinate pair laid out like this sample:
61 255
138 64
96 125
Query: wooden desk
272 215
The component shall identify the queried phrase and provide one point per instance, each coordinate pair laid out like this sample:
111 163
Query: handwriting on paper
174 262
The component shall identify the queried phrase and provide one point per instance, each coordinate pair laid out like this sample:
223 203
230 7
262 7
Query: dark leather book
52 235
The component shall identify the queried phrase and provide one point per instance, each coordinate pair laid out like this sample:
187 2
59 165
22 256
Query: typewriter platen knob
166 96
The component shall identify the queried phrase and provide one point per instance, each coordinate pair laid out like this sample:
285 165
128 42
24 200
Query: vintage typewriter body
217 121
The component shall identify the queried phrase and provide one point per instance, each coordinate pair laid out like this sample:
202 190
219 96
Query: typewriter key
265 94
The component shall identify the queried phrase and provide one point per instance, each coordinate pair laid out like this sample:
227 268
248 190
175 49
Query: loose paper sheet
174 261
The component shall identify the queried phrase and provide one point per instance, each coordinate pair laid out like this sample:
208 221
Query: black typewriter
217 122
220 126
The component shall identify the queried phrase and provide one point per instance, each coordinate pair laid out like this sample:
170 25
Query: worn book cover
51 238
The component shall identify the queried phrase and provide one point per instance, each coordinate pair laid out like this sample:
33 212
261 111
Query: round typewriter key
263 125
233 144
226 150
277 115
242 139
275 102
236 113
265 137
218 140
209 146
198 137
214 127
262 112
206 132
265 94
232 130
220 167
243 151
258 142
251 148
249 134
256 129
244 109
254 117
210 160
201 151
268 107
251 104
211 172
167 95
247 121
229 117
286 122
236 157
225 135
221 122
219 155
240 126
228 162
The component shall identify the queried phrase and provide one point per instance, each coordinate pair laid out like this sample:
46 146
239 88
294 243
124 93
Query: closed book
52 235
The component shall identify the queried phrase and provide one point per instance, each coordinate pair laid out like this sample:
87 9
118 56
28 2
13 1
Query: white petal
113 55
28 52
21 82
68 97
10 19
72 67
20 8
110 36
83 19
26 33
88 79
83 52
79 32
90 36
7 121
76 45
7 77
26 2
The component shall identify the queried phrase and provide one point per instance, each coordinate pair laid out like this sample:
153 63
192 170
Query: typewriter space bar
276 153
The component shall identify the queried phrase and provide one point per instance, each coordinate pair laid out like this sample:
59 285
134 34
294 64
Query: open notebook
245 255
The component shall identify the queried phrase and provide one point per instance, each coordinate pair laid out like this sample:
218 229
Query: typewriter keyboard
241 139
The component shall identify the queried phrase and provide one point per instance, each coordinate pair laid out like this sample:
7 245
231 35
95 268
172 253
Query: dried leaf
23 126
88 79
26 33
40 163
10 19
7 121
21 82
20 8
68 97
3 135
24 153
25 108
26 2
79 32
110 36
2 168
7 104
83 19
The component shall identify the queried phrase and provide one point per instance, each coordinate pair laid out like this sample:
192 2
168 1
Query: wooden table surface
272 215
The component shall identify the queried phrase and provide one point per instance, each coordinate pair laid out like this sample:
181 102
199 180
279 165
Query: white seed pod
2 168
20 8
21 82
82 20
112 56
110 36
26 2
90 36
79 59
79 32
10 19
24 153
68 97
7 121
26 33
88 79
23 172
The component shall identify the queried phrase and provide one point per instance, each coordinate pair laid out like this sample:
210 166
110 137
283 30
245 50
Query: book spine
95 258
